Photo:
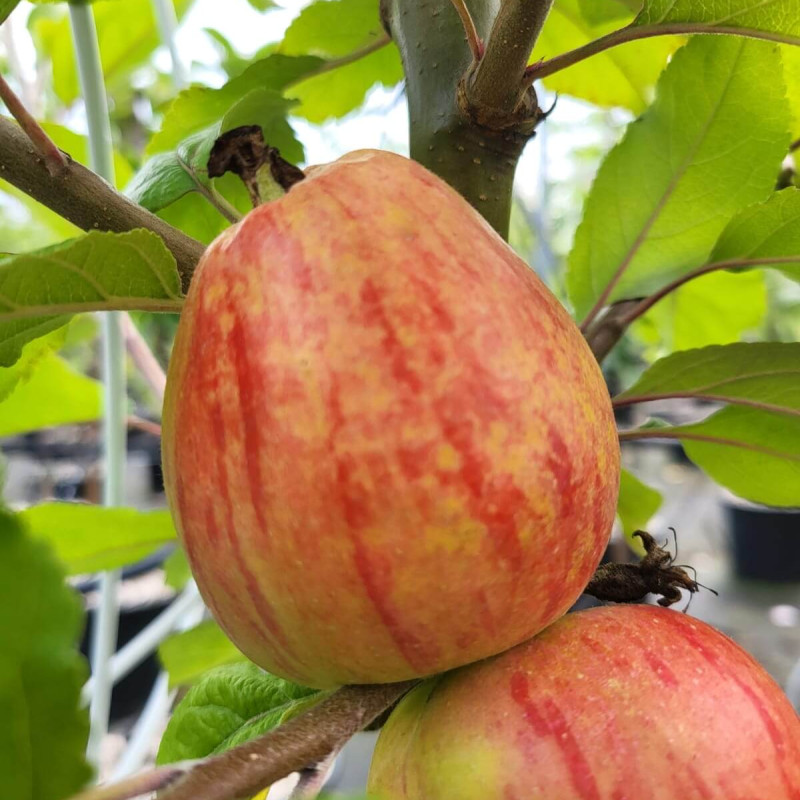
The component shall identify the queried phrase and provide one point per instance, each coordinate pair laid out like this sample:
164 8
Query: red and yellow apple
387 448
617 703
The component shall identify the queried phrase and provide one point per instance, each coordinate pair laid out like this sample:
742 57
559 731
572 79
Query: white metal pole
104 639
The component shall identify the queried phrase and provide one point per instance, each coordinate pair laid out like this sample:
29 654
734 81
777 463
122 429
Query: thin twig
335 63
138 423
682 433
473 40
143 357
795 145
215 198
632 33
609 329
643 306
54 159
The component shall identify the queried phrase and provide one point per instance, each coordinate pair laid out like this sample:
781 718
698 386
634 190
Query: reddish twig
142 356
473 40
54 159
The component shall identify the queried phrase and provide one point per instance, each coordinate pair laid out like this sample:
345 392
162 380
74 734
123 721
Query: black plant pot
765 542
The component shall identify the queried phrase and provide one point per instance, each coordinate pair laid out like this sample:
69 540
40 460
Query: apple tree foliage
692 221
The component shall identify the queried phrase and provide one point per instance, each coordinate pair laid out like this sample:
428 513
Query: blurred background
749 555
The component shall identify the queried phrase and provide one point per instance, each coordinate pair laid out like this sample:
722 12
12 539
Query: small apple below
615 703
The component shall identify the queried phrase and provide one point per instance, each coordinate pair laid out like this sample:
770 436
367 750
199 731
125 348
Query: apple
614 703
387 448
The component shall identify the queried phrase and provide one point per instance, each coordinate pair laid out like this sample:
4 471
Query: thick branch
301 742
86 200
497 82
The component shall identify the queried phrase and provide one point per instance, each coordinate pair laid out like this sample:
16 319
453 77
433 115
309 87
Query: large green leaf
621 76
52 394
197 108
333 29
43 733
189 655
763 375
229 706
100 271
754 453
337 92
664 194
767 234
127 34
91 538
717 308
778 20
791 67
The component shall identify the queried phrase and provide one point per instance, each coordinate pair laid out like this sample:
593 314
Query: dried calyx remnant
264 172
656 573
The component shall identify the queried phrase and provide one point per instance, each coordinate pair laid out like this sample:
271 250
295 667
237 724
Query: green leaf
52 394
763 375
339 91
664 194
6 7
91 538
33 354
777 20
791 68
176 569
197 108
40 291
754 453
597 11
127 35
717 308
43 734
767 232
621 76
189 655
333 28
229 706
636 505
262 5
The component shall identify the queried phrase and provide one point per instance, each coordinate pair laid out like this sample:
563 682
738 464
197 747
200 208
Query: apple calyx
656 573
265 173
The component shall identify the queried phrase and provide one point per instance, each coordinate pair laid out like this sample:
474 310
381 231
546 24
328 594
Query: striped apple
387 448
617 703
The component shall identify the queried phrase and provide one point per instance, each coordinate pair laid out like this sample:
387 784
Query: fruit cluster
390 453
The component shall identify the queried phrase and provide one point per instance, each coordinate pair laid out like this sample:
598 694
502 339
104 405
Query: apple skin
387 448
615 703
